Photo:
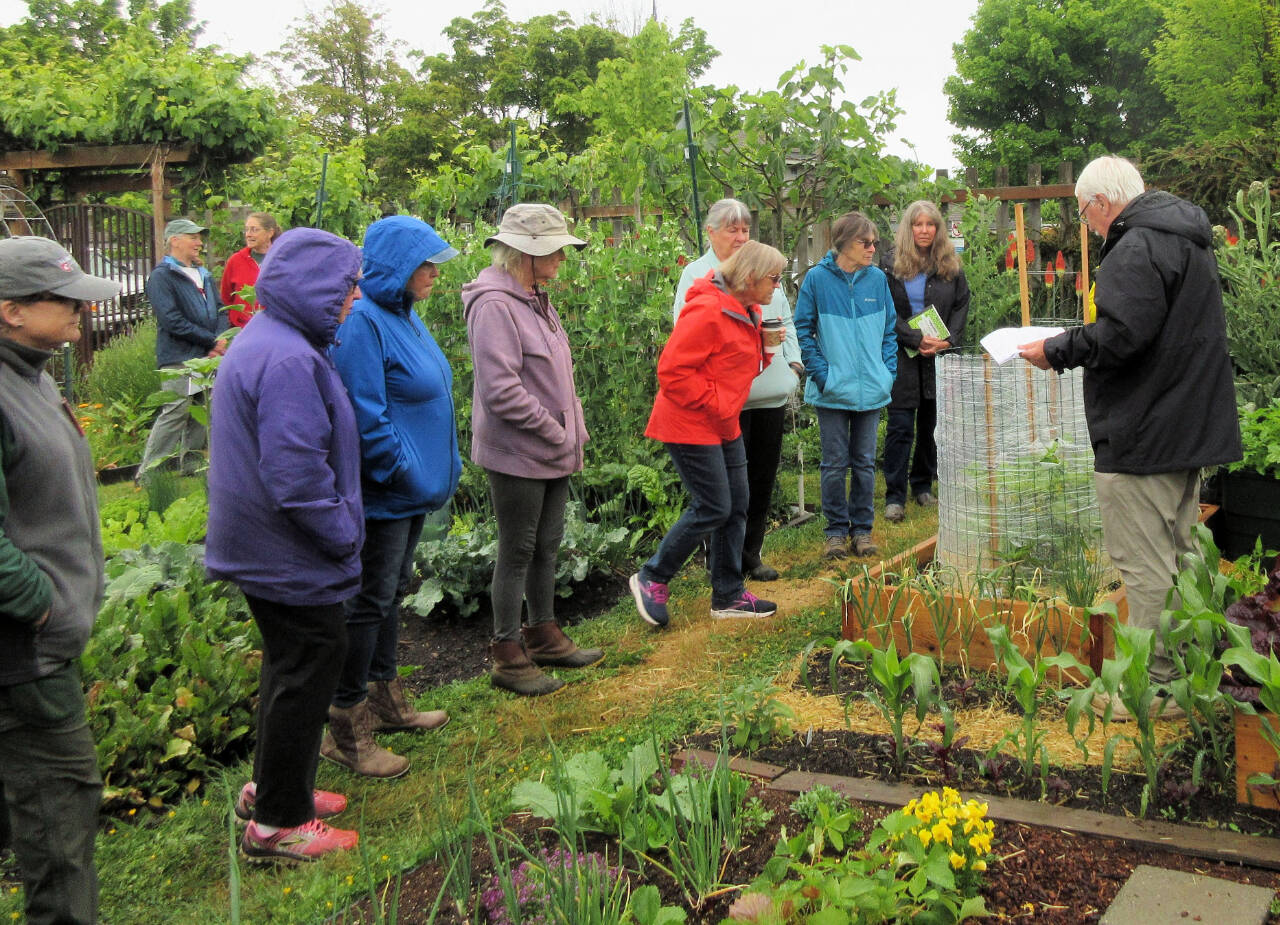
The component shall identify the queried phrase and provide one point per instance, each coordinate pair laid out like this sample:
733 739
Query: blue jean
905 426
715 476
373 615
848 445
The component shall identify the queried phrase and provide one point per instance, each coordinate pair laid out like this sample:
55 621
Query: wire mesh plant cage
1015 475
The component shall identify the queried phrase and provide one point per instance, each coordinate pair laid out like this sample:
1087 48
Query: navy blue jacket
285 518
188 322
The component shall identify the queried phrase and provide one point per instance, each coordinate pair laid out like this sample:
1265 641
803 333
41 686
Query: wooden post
1002 210
992 502
1035 223
158 206
1020 240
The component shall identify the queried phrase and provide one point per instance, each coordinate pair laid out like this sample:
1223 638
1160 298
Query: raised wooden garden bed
1254 755
1050 626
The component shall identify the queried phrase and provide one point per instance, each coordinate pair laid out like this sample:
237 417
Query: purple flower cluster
531 883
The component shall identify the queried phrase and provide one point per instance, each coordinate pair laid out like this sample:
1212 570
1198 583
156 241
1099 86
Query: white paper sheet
1003 343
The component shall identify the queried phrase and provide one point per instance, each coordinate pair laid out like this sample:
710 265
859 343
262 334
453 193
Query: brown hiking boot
547 644
863 547
349 742
836 548
513 671
392 710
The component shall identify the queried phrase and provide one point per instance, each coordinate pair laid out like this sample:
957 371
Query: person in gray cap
51 582
528 434
189 319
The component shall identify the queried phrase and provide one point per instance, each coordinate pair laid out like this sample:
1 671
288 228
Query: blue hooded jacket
400 383
845 325
285 518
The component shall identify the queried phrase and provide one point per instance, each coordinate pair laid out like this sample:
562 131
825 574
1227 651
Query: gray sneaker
895 513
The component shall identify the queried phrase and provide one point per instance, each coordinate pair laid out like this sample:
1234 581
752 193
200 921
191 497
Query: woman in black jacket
924 272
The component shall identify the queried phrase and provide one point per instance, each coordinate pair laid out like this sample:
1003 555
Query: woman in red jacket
260 229
704 374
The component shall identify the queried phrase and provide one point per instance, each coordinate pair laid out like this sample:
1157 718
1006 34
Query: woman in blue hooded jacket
402 390
845 324
286 524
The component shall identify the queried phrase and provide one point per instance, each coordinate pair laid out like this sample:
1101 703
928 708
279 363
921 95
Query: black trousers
303 651
904 426
762 440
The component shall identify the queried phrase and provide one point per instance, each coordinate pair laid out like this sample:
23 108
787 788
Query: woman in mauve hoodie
528 435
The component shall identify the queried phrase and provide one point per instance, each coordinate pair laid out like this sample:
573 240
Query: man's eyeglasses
1081 213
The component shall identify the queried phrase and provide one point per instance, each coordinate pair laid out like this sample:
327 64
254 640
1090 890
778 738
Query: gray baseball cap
29 265
536 229
182 226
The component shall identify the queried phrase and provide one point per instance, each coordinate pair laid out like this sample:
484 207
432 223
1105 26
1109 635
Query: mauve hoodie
285 518
526 419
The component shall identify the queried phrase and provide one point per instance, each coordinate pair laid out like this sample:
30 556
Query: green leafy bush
755 712
1250 268
1260 436
128 524
171 672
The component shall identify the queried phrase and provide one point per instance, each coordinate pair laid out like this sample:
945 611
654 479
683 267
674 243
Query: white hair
1113 177
726 212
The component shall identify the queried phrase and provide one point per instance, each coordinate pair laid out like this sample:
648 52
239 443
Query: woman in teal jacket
401 388
845 325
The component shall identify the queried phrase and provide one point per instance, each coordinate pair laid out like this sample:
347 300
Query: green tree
350 75
1045 80
1219 64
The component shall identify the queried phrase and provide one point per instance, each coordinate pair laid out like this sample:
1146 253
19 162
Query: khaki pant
1147 522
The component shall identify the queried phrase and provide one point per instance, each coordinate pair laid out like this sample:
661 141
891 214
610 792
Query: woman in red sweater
704 374
260 229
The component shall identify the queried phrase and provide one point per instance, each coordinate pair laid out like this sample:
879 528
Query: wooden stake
1022 264
1090 313
992 501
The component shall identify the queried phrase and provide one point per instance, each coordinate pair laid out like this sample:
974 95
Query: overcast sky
905 45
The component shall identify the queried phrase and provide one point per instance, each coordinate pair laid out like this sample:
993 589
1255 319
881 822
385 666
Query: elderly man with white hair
1158 391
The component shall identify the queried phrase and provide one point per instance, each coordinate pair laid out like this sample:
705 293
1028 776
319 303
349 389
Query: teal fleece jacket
845 322
400 383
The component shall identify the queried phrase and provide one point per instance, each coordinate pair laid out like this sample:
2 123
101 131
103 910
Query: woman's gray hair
849 226
728 212
506 257
1113 177
751 263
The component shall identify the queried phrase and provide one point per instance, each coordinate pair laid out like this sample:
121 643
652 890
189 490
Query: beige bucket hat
535 229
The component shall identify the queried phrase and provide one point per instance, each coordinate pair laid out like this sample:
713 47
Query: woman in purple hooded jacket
286 524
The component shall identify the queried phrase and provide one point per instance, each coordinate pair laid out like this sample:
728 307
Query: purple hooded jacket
285 518
526 419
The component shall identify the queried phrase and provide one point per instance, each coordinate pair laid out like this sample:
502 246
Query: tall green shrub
1250 269
125 369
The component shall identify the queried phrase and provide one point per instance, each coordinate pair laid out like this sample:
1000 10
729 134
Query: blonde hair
751 263
939 260
268 223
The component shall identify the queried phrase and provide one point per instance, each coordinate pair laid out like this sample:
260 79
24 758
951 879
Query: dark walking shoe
763 572
926 499
391 709
836 548
651 600
305 842
547 644
326 803
746 605
895 513
864 547
514 671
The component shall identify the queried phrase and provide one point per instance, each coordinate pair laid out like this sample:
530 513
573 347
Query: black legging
530 514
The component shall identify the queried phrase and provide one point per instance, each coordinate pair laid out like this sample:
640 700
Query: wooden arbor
107 168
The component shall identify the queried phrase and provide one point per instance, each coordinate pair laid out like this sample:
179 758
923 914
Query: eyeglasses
868 243
774 278
1081 213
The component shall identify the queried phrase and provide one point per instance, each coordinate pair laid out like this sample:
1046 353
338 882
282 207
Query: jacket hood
393 248
1163 211
305 279
497 281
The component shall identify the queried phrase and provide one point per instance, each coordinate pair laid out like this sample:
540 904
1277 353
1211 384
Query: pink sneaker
305 842
327 803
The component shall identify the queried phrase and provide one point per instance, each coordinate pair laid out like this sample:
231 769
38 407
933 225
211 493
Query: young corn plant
1265 671
895 678
1025 681
934 588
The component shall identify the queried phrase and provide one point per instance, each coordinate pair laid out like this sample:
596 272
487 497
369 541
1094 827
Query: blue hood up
305 278
393 248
